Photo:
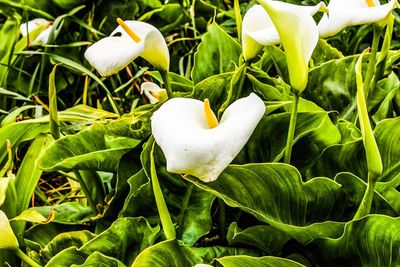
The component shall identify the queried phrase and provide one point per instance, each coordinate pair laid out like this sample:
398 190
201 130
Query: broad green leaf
31 216
64 241
387 134
244 261
264 237
18 133
373 240
214 88
98 259
167 253
124 240
90 149
332 85
28 172
217 53
275 194
67 213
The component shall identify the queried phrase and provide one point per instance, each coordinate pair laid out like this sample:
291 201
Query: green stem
25 258
372 60
185 203
366 202
292 127
165 77
85 190
165 217
222 217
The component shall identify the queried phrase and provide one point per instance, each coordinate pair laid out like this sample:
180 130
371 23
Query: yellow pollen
370 3
210 116
156 95
128 30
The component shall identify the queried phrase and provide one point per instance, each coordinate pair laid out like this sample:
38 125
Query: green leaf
371 241
167 253
124 240
275 194
67 213
324 52
64 241
18 133
264 237
217 53
28 173
244 261
98 259
90 149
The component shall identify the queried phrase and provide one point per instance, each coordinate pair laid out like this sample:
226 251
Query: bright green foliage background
259 212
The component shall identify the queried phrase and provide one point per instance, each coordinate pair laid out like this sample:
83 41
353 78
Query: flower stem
372 60
25 258
366 202
165 78
165 217
292 127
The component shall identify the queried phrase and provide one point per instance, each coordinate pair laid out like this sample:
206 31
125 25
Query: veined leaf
244 261
275 194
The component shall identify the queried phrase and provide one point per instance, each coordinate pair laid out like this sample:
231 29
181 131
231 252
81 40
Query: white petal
7 237
258 29
31 25
180 129
299 35
43 37
113 53
148 88
343 13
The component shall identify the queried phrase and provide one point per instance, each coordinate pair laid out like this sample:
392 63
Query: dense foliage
79 167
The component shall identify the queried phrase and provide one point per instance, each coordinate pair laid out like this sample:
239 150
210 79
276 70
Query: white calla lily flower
258 29
7 237
32 25
195 143
299 36
111 54
153 92
344 13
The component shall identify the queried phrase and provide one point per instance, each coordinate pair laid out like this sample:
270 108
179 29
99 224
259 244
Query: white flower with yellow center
195 143
258 29
128 41
34 24
153 92
344 13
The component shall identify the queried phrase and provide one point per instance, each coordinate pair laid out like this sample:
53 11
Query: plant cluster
199 133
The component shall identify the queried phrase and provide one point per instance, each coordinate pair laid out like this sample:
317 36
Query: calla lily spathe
32 25
258 29
153 92
299 36
7 237
343 13
111 54
180 127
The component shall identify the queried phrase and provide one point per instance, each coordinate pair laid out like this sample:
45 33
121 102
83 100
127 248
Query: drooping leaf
371 241
264 237
275 194
243 261
90 149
